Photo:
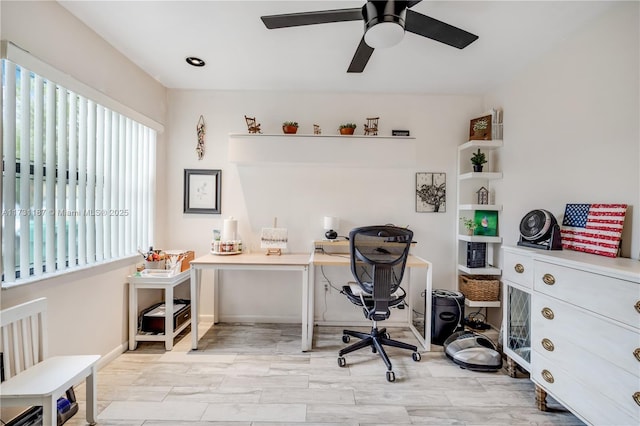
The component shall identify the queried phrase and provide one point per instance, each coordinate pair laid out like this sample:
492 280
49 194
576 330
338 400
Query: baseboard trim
113 354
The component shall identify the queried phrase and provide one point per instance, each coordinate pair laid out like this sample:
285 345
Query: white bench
33 379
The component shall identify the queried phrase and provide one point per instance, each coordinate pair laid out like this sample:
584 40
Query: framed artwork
480 128
431 192
202 191
593 228
486 223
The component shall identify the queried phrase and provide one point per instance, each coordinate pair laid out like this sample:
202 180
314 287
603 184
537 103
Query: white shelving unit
468 183
338 150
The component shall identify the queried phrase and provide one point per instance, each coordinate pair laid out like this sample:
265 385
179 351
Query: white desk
253 261
167 284
332 253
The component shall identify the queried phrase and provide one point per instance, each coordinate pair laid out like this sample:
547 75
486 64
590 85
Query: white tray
225 253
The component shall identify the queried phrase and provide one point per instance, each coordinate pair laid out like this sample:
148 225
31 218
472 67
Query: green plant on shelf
290 123
348 126
469 224
478 158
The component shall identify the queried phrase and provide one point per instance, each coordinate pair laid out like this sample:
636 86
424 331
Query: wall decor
486 223
200 131
316 129
252 126
483 195
593 228
431 192
202 191
480 128
371 126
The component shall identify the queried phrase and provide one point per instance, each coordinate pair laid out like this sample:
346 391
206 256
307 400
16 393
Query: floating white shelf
480 271
480 175
492 207
479 239
482 304
483 145
348 151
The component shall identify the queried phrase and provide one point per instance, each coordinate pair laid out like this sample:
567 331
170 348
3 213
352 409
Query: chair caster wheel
373 349
387 336
346 339
416 356
341 361
391 376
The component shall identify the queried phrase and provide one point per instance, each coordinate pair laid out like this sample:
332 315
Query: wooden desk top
294 259
343 259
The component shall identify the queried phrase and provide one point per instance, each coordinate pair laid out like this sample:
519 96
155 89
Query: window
77 179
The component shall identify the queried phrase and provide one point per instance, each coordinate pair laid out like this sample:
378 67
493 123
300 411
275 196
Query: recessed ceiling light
196 62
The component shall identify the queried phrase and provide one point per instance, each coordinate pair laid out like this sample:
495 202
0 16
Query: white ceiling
241 54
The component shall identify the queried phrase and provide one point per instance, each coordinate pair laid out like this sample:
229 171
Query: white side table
155 281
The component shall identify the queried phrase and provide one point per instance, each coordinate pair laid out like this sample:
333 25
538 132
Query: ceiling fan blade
311 18
437 30
413 3
361 57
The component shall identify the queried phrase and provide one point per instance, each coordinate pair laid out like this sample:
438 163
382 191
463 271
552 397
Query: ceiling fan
384 24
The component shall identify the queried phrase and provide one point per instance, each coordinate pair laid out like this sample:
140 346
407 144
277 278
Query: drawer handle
548 279
548 377
548 344
638 306
636 397
519 268
636 353
547 313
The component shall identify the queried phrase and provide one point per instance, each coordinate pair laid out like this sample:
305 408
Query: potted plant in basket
469 225
478 159
347 128
290 127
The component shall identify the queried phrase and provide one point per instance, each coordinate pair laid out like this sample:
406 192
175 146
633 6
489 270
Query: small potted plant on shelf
469 225
290 127
478 159
347 128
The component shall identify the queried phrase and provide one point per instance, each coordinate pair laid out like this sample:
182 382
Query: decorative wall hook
200 131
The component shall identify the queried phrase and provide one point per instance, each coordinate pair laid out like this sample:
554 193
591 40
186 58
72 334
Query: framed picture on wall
431 192
202 190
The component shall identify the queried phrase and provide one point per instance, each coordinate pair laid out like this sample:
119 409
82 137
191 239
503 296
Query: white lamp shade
384 34
331 222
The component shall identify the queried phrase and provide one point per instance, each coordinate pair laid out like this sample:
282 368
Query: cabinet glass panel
518 325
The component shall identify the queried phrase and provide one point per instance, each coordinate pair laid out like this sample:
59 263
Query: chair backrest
378 258
23 336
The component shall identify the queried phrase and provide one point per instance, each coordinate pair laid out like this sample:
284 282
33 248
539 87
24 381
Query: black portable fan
385 23
539 229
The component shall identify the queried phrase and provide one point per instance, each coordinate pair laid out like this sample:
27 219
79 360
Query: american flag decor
593 228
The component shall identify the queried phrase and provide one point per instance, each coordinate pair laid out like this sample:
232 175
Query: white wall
87 310
299 195
571 126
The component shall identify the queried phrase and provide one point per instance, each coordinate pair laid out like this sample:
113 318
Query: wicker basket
479 288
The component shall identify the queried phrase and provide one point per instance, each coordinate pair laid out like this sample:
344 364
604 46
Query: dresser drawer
610 297
572 326
518 268
591 405
592 371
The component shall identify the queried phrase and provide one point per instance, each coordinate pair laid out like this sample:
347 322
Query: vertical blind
77 179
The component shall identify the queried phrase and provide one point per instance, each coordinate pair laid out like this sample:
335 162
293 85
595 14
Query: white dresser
584 330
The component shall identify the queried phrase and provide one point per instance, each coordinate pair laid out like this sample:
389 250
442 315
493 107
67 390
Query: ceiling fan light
384 34
384 23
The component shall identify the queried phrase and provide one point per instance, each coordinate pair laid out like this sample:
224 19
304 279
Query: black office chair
378 258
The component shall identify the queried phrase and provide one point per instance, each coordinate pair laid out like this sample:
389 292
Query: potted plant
469 225
347 128
478 159
290 127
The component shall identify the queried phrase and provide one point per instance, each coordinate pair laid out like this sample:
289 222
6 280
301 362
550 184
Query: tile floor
255 374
